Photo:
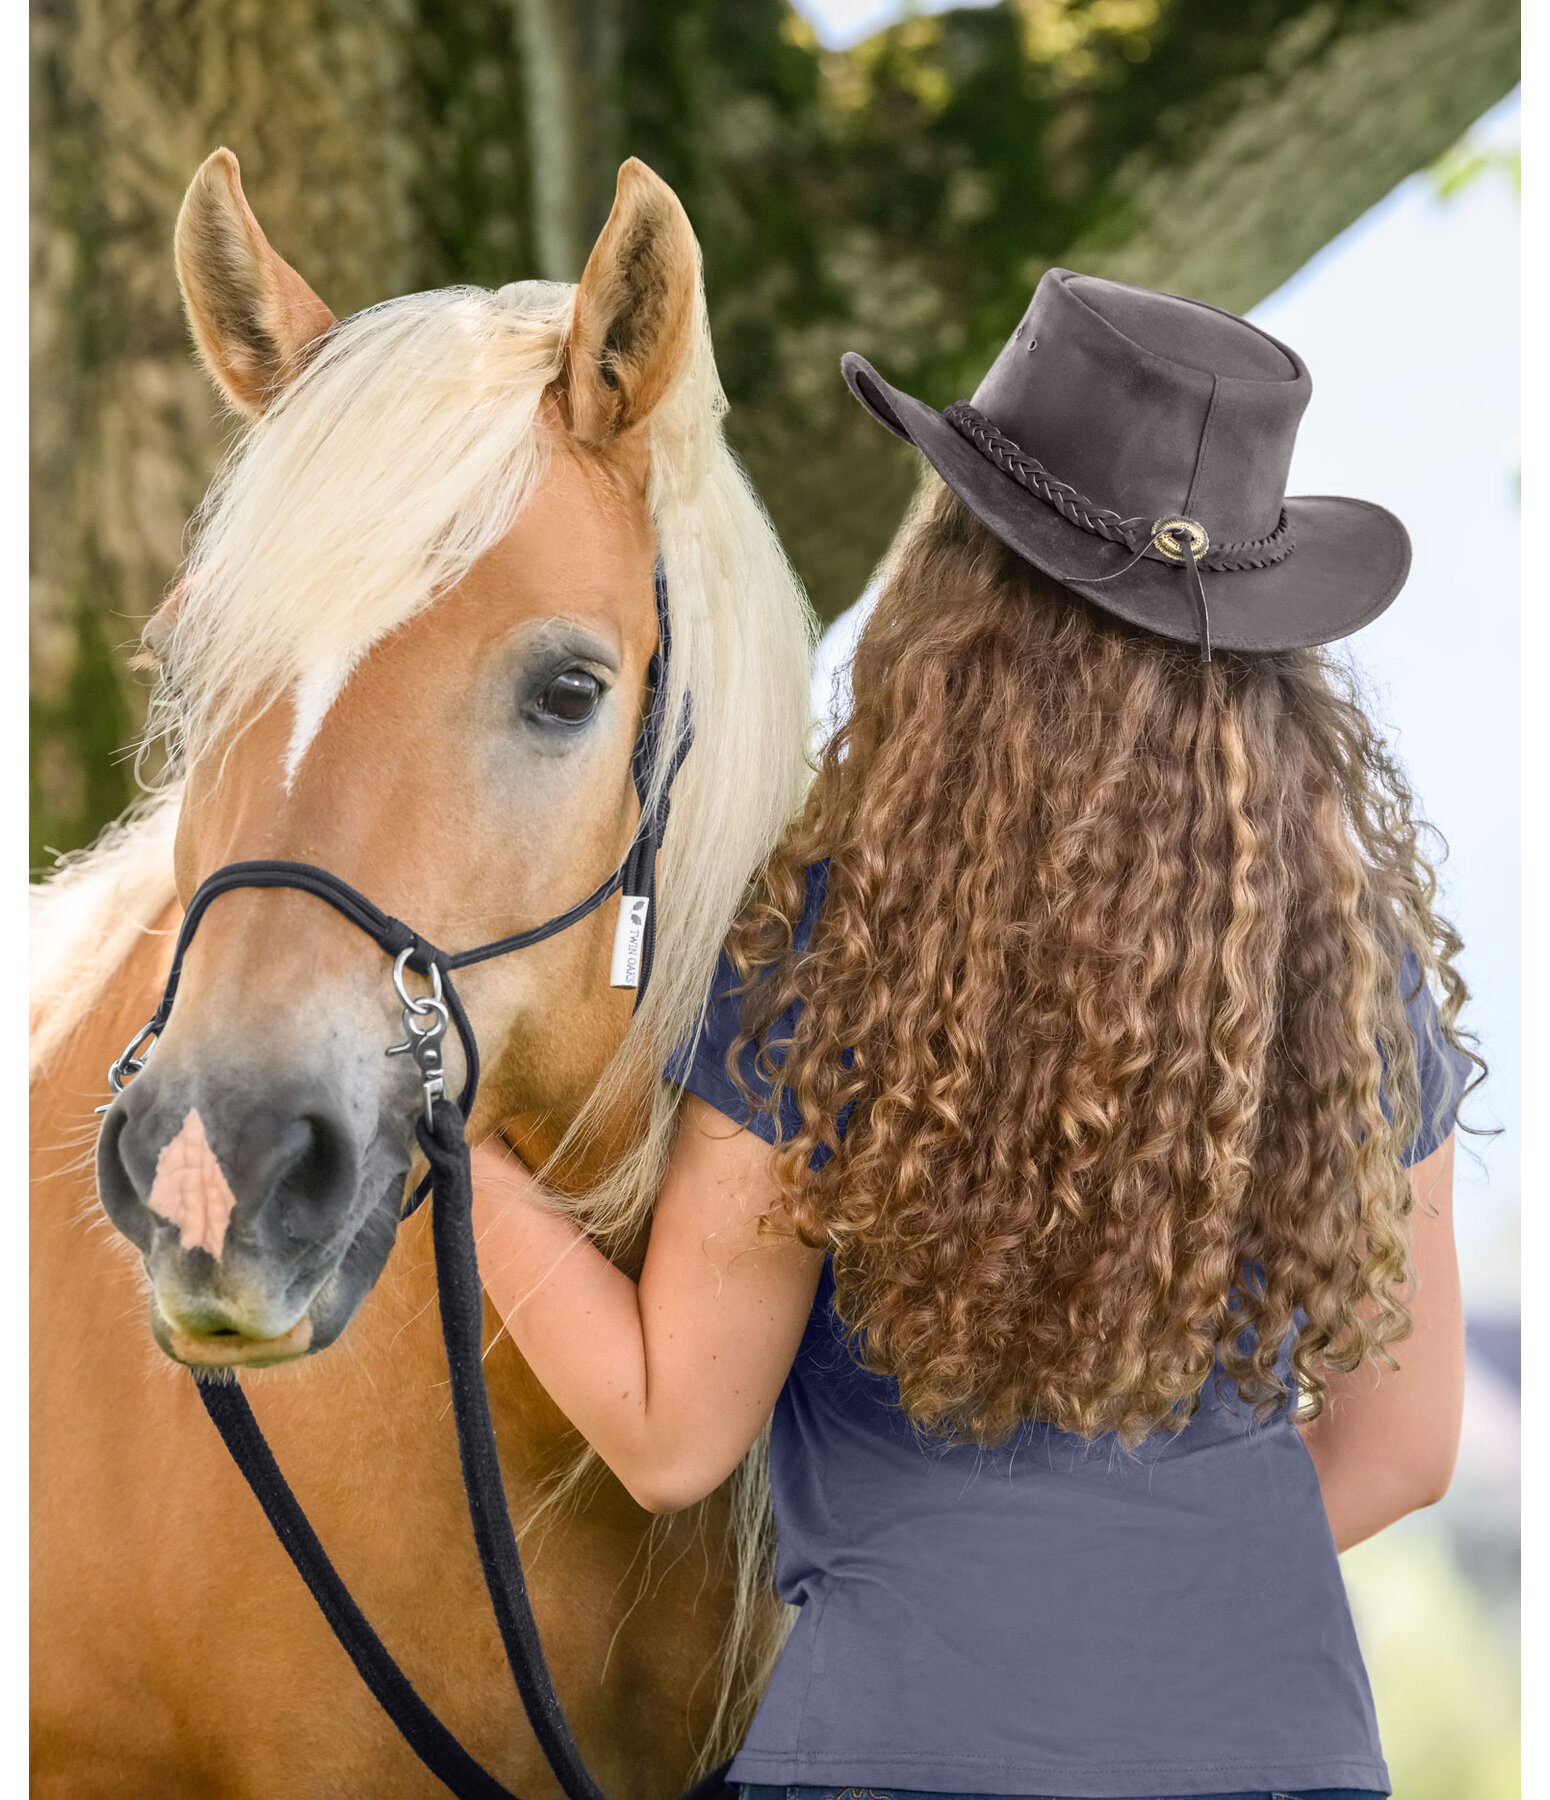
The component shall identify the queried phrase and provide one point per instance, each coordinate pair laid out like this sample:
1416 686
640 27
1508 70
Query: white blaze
190 1191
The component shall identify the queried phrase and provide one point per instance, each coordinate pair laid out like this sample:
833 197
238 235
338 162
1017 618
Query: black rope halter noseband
442 1134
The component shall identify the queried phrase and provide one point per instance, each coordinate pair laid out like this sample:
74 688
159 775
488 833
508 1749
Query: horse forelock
402 453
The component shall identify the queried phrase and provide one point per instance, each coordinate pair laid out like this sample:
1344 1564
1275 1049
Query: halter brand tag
629 937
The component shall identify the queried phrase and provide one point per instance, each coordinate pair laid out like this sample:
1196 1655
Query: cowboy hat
1135 446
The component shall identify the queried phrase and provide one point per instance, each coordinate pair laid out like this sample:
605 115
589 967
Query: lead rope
460 1296
442 1133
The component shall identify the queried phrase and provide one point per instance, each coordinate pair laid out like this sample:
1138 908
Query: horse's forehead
581 545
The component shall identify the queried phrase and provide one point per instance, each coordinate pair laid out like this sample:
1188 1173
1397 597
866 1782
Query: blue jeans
756 1791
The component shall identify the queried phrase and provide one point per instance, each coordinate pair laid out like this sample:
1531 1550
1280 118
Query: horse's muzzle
262 1216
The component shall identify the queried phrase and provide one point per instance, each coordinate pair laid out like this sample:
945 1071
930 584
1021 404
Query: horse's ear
250 312
634 310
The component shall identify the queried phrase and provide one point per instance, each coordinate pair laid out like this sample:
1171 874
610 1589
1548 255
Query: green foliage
902 198
1465 163
78 774
1443 1667
472 191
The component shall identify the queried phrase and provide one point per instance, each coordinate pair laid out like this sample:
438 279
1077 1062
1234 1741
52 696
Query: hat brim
1350 557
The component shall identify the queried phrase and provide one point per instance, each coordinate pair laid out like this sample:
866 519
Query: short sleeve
1442 1072
699 1063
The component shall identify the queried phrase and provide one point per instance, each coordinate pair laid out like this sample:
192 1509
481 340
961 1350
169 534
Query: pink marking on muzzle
190 1191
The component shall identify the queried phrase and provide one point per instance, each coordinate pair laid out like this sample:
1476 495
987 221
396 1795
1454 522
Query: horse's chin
323 1318
230 1350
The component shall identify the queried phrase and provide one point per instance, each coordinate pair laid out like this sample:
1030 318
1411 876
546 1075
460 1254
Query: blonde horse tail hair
761 1621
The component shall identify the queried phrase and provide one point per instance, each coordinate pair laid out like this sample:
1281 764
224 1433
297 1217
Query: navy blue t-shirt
1051 1616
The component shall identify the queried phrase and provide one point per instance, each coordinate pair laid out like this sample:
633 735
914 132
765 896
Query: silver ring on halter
415 1003
423 1042
440 1019
128 1063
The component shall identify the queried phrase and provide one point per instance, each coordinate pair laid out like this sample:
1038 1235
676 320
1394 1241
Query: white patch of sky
841 23
1409 322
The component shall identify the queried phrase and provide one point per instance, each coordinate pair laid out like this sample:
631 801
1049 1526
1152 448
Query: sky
840 23
1409 323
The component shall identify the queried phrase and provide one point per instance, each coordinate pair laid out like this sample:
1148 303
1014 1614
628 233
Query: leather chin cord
442 1134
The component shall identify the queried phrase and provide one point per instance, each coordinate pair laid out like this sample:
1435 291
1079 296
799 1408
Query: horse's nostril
320 1161
296 1176
330 1153
121 1182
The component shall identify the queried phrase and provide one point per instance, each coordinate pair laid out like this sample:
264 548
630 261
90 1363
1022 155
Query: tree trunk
128 100
570 56
1249 184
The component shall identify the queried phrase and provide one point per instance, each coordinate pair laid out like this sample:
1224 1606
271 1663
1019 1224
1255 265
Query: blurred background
893 179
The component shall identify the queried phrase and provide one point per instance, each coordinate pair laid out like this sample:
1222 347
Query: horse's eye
571 696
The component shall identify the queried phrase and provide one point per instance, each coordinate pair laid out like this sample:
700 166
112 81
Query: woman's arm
1385 1443
670 1381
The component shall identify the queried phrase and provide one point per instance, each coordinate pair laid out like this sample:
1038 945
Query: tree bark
129 97
570 56
1247 185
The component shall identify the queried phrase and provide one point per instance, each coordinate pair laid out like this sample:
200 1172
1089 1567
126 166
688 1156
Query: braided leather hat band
1103 521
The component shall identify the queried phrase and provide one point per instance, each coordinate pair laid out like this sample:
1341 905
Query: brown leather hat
1135 446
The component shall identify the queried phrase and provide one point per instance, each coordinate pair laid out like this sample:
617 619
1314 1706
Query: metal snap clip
423 1041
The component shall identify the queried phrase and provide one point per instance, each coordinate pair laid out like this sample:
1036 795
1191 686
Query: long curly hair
1108 970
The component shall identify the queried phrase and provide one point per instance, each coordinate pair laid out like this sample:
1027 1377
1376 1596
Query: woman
1088 1008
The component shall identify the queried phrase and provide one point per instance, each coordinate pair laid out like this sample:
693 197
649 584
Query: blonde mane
400 455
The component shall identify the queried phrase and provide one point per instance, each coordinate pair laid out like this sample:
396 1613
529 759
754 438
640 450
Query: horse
409 642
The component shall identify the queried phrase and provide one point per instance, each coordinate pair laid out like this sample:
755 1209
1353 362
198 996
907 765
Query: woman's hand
1386 1442
672 1380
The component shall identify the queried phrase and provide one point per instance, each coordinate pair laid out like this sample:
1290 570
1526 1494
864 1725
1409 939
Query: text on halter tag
629 939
